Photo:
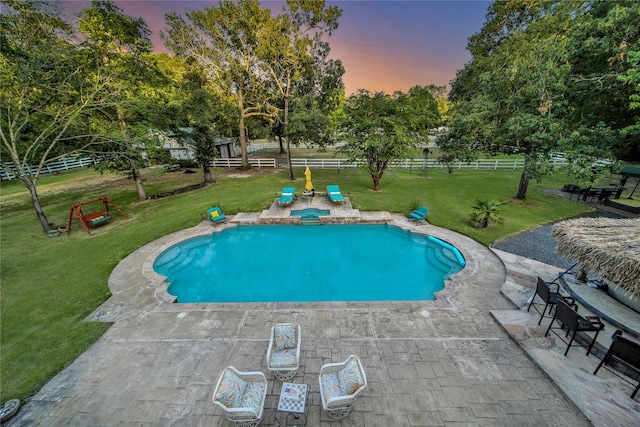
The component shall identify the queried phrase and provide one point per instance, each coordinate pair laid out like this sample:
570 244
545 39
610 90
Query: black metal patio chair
604 196
549 298
624 356
569 319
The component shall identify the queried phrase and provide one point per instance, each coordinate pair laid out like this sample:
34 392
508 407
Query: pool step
309 221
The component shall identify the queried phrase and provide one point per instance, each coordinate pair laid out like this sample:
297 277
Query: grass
49 285
629 202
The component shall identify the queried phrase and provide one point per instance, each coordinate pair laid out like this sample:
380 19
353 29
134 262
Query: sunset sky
383 45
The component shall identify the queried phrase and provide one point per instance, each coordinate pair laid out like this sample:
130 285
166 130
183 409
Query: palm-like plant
486 213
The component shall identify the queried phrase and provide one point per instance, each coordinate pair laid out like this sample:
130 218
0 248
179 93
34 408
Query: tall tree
545 77
603 40
287 47
225 39
192 111
316 111
420 108
119 43
46 97
632 77
376 132
512 94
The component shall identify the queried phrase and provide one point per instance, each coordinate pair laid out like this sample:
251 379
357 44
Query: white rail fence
486 164
235 162
8 172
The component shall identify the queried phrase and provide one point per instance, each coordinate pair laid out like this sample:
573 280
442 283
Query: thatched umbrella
607 247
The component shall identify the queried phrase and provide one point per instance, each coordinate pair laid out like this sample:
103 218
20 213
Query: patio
439 362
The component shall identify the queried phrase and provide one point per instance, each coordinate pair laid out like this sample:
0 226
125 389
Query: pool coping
135 287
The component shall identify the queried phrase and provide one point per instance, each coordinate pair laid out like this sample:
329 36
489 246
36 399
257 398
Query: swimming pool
281 263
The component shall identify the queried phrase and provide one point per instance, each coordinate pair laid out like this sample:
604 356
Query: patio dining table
615 190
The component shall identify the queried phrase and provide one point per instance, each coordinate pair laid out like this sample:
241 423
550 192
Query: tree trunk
376 181
521 194
142 194
35 200
135 173
281 144
241 129
286 135
522 186
208 177
291 177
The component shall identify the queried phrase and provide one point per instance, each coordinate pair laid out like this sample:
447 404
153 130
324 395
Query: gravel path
538 243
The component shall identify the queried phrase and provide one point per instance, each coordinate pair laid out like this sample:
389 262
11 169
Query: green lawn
49 285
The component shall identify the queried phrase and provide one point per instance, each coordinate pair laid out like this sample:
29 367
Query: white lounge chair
241 396
340 386
283 354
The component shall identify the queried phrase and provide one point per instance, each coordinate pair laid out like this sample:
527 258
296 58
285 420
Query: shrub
486 213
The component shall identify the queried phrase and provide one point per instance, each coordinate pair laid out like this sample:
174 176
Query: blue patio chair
288 194
333 191
215 215
419 214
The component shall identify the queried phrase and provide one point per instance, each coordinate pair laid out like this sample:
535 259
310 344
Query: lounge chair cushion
331 386
284 358
215 214
350 378
420 213
342 383
231 390
252 397
285 337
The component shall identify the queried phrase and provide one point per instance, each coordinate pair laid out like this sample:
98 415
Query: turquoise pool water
281 263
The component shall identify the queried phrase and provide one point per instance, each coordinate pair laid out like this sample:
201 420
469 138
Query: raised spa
310 213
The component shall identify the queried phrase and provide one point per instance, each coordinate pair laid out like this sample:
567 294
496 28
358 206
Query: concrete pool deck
471 357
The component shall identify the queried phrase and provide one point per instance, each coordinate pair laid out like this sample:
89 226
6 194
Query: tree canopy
254 58
191 110
541 75
378 128
51 86
119 43
97 89
66 91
